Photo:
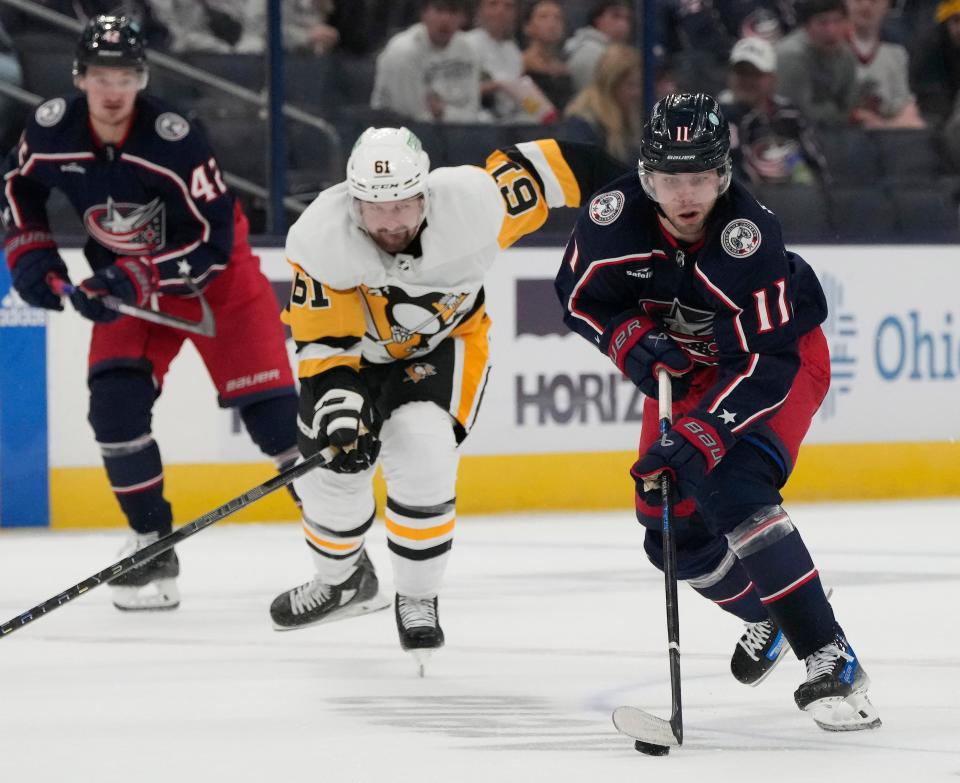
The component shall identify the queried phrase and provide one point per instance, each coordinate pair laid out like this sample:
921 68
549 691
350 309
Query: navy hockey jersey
157 195
736 299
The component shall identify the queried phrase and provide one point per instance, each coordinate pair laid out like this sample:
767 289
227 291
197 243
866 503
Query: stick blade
643 726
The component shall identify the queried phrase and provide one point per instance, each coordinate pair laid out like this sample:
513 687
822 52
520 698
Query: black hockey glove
640 348
30 277
336 410
131 280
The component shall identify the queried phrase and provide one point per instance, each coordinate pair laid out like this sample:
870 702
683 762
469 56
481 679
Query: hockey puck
650 749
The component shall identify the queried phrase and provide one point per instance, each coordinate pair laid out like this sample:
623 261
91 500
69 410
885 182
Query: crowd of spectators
791 74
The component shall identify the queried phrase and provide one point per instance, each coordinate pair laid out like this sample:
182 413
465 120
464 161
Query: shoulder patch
171 126
606 207
740 238
51 112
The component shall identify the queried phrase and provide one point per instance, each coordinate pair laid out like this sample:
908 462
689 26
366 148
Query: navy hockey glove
640 348
342 417
131 280
688 452
30 276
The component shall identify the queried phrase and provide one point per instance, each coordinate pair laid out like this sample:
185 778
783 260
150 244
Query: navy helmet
111 42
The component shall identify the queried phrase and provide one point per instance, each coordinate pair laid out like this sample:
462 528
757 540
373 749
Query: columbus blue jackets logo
127 229
740 238
606 207
48 114
691 329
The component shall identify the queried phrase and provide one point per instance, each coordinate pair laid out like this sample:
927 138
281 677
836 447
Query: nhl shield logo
606 207
740 238
417 372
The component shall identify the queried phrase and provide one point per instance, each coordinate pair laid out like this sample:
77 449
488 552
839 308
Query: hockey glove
639 349
131 280
342 417
688 452
30 273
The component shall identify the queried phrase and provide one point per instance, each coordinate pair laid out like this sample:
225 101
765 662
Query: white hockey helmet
387 164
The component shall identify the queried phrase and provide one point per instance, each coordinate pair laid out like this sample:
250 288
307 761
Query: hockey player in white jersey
387 310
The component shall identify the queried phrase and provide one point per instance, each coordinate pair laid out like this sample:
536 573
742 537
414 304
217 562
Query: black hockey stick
654 735
206 326
166 542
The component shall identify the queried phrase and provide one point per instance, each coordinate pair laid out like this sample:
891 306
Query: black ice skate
757 653
151 586
418 624
835 692
316 602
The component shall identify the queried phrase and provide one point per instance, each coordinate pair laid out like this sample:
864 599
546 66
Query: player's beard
394 241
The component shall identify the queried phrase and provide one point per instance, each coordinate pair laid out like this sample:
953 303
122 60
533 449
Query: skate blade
157 596
854 713
421 658
375 604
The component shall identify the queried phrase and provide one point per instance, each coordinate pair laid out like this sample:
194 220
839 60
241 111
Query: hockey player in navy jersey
680 268
157 212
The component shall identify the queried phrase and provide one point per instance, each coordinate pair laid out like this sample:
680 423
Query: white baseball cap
756 51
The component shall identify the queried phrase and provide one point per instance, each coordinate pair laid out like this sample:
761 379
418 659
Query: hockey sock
135 472
272 425
777 560
730 588
419 539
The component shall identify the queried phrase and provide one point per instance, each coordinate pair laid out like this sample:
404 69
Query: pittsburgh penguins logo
417 372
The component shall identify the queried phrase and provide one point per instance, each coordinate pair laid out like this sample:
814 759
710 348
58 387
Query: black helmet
112 42
686 132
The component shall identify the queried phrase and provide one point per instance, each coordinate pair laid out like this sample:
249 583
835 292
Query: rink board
558 426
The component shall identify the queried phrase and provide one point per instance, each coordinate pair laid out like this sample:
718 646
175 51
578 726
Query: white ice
551 620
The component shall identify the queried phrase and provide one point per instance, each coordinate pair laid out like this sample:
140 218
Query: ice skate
316 602
418 624
759 650
151 586
835 693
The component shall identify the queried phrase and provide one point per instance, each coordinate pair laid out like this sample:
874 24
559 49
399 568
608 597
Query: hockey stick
205 327
654 735
166 542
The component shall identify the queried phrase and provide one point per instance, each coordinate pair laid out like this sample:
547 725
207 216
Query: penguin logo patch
171 126
417 372
49 113
606 207
740 238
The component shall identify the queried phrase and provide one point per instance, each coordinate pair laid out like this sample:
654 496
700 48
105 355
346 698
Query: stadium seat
803 211
909 155
864 214
926 213
853 157
47 63
470 144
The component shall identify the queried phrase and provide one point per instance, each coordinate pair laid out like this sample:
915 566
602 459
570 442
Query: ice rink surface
551 622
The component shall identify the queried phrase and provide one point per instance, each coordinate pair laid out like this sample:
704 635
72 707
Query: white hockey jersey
352 302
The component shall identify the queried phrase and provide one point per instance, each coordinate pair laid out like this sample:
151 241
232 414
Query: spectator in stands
770 140
692 32
319 26
885 100
501 62
429 71
544 29
207 26
936 65
610 21
815 67
607 111
11 116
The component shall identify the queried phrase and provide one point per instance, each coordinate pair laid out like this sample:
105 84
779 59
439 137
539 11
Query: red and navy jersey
736 300
157 195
